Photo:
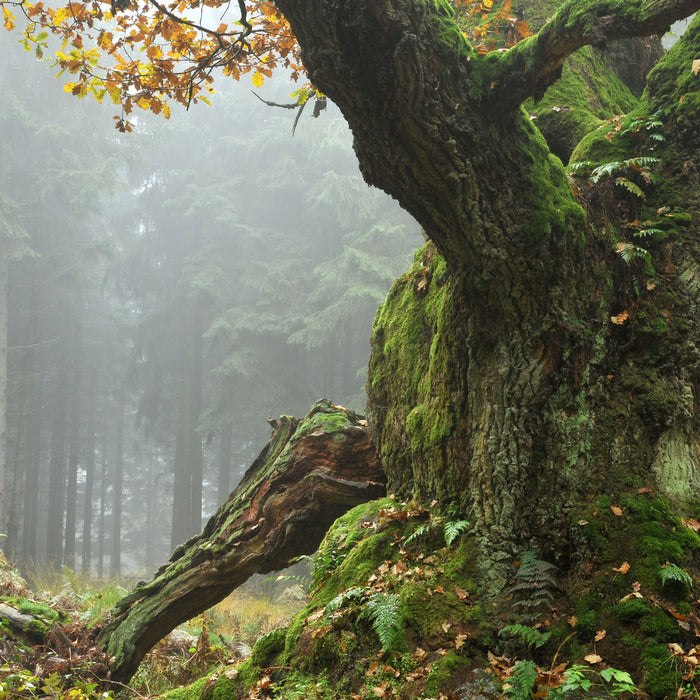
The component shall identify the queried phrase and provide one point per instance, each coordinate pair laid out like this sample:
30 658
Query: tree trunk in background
223 487
76 371
30 524
24 487
115 565
101 530
57 471
5 481
310 472
89 464
187 489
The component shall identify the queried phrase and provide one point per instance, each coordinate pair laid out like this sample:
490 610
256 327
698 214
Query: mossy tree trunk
310 472
498 381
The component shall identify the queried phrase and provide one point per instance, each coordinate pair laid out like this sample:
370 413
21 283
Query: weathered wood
310 472
28 628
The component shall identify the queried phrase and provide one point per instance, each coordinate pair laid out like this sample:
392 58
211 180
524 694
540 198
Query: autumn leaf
616 510
573 620
623 568
461 593
459 641
592 658
696 66
258 78
445 627
600 634
620 318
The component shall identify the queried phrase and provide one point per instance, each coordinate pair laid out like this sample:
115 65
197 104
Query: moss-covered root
310 473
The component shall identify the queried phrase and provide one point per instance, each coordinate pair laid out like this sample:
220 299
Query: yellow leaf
166 111
600 634
487 3
696 66
144 103
258 78
620 318
592 658
68 87
616 510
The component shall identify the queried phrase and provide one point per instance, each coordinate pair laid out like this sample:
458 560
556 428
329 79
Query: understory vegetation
394 606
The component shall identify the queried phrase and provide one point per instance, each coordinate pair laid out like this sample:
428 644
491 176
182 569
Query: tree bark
487 386
310 472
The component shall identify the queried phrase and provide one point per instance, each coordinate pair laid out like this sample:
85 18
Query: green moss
662 676
191 692
443 670
632 609
28 607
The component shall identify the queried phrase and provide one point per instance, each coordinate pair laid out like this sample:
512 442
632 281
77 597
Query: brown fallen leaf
616 510
592 658
600 634
623 568
459 641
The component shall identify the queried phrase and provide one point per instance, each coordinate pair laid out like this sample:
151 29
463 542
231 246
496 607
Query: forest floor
66 665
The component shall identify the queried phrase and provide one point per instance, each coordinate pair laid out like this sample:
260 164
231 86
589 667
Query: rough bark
502 407
310 472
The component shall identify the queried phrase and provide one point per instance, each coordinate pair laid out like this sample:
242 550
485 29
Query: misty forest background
168 291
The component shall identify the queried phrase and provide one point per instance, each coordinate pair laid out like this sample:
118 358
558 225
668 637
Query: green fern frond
418 532
529 635
453 530
672 573
655 233
343 599
630 186
385 612
521 682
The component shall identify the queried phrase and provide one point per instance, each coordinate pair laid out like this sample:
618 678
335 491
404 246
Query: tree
543 349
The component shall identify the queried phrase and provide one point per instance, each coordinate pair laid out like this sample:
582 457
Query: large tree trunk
498 381
310 473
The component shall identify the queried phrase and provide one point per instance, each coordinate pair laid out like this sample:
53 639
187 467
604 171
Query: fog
168 291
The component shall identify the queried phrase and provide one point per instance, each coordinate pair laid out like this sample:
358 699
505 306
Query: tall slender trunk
4 480
73 447
115 567
101 530
89 464
57 472
187 494
223 487
22 489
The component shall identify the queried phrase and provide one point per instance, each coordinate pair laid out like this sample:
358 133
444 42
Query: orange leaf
573 620
600 634
616 510
624 568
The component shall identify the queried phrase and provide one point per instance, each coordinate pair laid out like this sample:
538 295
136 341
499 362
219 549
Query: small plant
453 529
670 574
521 683
531 637
533 590
385 612
580 679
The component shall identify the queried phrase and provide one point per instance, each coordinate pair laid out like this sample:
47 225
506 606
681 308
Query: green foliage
521 682
453 529
580 679
385 612
535 583
672 574
343 599
529 635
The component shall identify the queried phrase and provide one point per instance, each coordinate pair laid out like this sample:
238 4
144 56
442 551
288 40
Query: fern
530 636
670 573
418 532
630 186
385 612
453 529
342 599
522 681
534 586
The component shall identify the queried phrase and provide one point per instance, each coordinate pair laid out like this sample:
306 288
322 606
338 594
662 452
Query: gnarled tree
544 348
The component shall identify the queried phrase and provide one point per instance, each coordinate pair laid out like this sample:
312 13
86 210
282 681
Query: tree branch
534 64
